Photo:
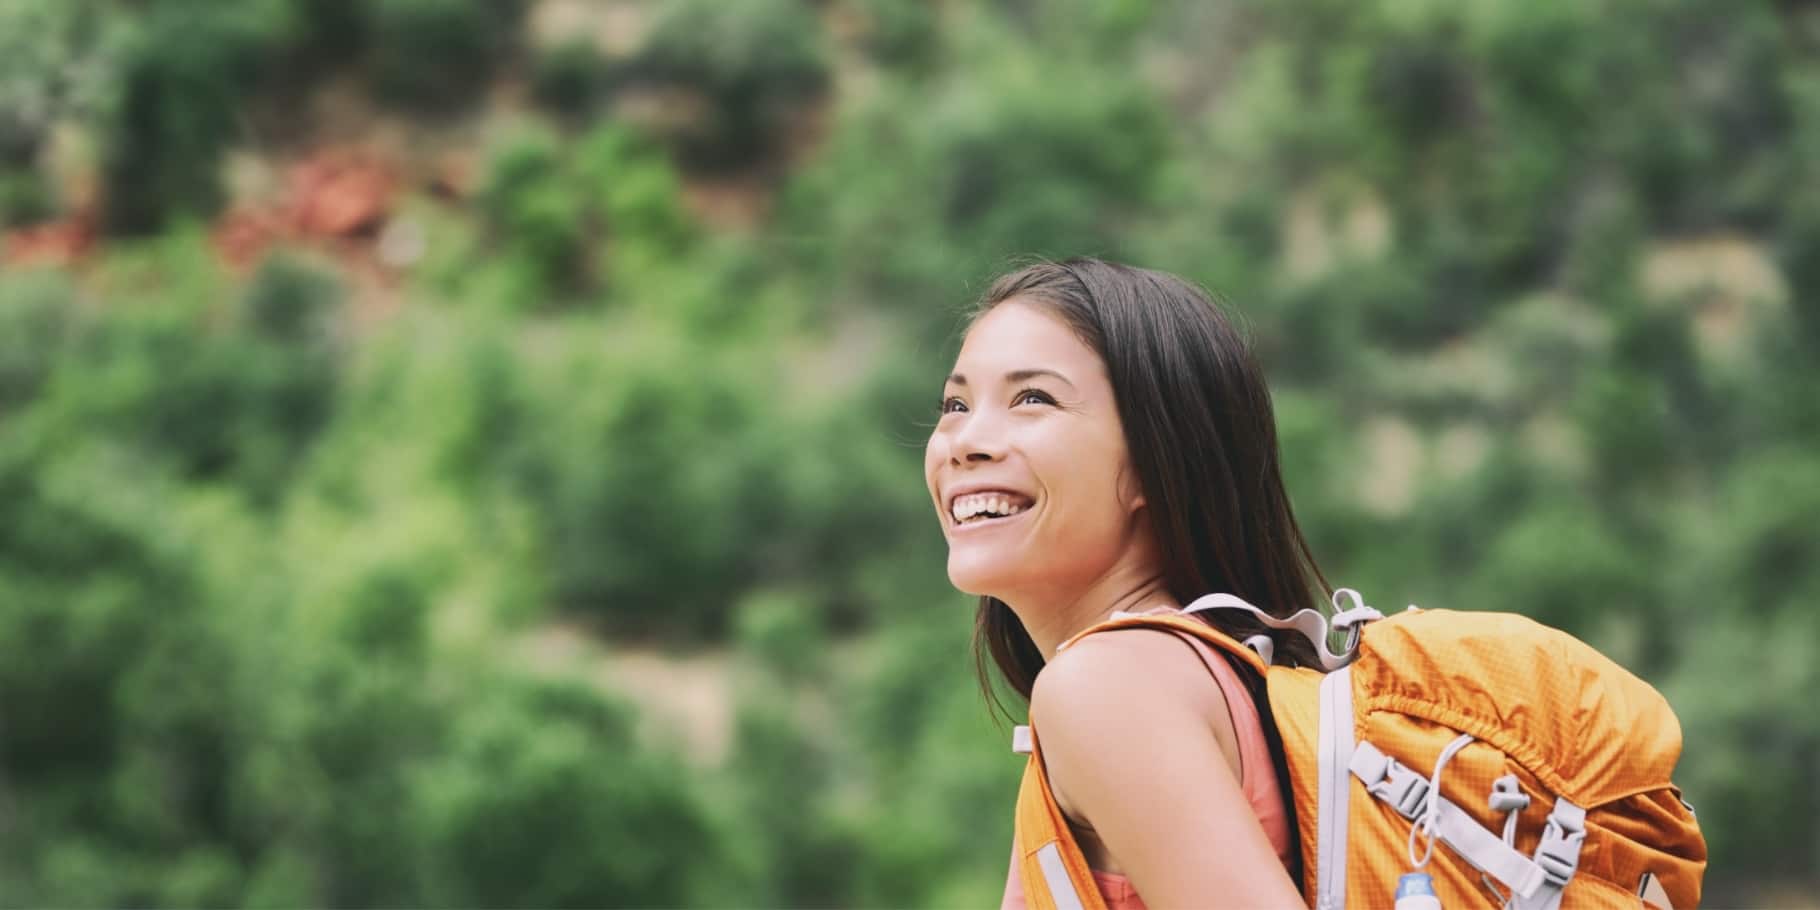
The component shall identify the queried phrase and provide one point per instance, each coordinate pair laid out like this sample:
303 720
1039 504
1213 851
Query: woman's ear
1131 493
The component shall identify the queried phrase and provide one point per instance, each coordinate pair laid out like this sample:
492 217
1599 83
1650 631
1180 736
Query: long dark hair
1202 440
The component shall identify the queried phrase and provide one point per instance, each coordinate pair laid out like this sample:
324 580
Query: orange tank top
1257 780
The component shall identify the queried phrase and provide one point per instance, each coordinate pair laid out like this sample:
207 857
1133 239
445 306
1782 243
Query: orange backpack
1512 763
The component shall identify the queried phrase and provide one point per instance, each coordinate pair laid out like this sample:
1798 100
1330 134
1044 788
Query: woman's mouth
979 508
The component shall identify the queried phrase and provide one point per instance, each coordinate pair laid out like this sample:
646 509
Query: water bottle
1416 891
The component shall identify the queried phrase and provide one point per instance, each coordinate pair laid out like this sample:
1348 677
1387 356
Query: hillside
467 452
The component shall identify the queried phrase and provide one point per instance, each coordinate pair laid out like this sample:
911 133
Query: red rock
52 243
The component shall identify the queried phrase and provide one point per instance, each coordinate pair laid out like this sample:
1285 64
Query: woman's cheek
1073 543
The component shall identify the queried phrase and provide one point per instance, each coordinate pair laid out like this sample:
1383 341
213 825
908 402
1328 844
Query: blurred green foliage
438 54
751 64
1538 285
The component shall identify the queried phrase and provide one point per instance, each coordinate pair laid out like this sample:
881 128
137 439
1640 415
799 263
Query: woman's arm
1132 728
1013 898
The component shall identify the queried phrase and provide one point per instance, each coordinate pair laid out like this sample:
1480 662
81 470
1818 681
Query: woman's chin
986 578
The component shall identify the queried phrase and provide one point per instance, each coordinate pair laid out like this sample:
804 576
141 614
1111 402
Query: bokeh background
467 452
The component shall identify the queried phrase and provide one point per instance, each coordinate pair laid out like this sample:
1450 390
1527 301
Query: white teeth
973 505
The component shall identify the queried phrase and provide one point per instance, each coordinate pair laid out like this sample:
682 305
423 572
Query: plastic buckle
1559 856
1408 791
1354 632
1568 817
1351 619
1559 852
1369 765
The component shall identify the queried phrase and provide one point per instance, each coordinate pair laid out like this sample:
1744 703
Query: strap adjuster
1390 780
1559 852
1559 860
1507 795
1408 791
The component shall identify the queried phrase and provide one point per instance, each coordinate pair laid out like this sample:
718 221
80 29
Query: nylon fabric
1559 717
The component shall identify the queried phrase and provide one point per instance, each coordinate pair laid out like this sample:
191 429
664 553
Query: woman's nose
979 440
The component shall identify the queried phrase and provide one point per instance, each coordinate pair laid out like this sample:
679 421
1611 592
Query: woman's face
1028 465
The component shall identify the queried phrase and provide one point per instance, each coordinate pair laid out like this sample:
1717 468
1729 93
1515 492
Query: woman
1106 444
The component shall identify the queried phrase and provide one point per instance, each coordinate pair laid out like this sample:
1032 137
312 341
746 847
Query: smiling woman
1106 444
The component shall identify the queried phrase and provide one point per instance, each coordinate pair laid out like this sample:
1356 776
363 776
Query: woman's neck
1053 619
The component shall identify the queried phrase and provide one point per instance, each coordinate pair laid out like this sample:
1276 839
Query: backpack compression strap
1054 871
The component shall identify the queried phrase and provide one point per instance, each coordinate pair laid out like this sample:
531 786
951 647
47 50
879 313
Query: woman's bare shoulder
1133 729
1096 683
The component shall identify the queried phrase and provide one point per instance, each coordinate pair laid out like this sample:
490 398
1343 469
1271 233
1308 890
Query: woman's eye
1034 396
953 405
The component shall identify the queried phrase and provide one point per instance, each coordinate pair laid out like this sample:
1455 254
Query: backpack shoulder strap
1053 869
1175 622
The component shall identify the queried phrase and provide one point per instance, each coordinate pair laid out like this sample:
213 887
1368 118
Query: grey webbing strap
1333 796
1403 789
1310 623
1055 878
1650 889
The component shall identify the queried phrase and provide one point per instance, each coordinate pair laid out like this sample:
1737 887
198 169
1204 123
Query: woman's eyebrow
1014 376
1025 375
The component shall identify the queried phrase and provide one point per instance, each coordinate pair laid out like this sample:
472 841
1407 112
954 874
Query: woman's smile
977 507
1029 444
